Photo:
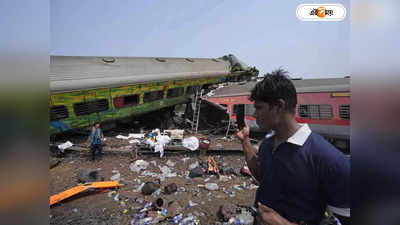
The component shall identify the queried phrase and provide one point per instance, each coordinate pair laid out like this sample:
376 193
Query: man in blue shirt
300 173
95 137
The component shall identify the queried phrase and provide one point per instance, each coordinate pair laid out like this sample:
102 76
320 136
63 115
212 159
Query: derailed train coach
324 104
84 89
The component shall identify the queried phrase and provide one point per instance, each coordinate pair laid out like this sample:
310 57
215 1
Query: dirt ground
101 207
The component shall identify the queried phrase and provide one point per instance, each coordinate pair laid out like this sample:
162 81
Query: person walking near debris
300 173
95 137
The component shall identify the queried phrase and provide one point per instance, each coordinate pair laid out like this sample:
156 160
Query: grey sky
265 34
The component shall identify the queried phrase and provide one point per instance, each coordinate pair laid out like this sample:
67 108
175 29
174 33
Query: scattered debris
204 143
181 189
213 179
191 204
122 137
174 208
64 146
170 188
245 218
166 172
137 136
159 202
194 165
223 178
227 211
196 172
149 188
138 165
170 163
191 143
211 186
116 197
135 141
245 171
237 187
86 175
116 175
230 171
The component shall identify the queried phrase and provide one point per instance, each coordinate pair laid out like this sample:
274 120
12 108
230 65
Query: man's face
97 125
266 115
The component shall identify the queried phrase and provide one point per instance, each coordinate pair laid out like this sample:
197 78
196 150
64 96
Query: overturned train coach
324 104
89 89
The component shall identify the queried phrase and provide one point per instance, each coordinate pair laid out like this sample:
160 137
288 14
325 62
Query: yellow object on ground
80 188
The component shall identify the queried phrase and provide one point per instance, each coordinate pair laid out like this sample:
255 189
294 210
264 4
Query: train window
344 112
58 112
153 96
175 92
127 100
131 99
86 108
317 112
191 90
325 112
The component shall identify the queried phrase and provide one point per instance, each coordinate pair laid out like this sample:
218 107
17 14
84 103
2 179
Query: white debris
166 171
211 186
122 137
191 204
194 165
223 178
138 165
116 176
191 143
65 145
170 163
116 197
135 141
136 136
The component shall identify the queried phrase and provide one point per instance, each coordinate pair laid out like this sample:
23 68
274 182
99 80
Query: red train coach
324 104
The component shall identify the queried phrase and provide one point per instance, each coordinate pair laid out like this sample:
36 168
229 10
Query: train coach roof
302 86
69 73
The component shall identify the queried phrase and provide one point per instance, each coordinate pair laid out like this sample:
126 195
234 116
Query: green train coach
88 89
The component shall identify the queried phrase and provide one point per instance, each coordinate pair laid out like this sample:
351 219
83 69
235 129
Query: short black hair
276 85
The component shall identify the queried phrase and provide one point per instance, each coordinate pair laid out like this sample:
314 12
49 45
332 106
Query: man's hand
244 133
268 216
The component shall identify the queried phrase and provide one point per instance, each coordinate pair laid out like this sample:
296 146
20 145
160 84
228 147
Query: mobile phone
240 116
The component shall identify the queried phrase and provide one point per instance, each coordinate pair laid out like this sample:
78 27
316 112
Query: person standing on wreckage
301 174
95 139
